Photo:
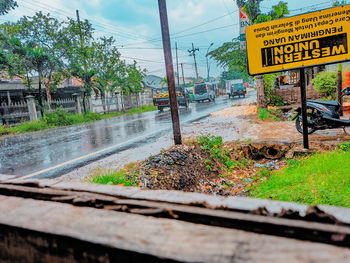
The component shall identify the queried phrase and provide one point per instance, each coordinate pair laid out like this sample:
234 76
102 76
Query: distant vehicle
161 100
235 87
190 92
204 91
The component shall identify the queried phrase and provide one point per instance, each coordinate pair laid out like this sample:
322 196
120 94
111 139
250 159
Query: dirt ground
237 123
257 148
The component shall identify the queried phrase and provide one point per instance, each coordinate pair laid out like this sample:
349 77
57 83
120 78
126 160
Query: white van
204 91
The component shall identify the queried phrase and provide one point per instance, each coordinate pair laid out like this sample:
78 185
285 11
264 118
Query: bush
58 118
269 87
30 127
326 84
265 114
121 177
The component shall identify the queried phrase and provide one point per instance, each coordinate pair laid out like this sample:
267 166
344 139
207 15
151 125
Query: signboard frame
299 67
300 48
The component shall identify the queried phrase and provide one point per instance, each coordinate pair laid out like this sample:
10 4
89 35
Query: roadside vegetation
269 114
121 177
208 165
319 179
61 118
205 164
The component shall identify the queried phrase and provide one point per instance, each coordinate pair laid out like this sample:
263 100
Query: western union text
306 50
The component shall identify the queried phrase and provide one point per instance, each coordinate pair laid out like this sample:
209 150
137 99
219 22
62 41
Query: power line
205 23
93 22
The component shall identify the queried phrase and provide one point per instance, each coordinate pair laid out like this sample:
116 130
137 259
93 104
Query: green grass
265 114
62 118
120 177
321 179
214 146
142 109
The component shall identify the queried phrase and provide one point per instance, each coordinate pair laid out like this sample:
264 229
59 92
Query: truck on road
161 99
204 91
235 87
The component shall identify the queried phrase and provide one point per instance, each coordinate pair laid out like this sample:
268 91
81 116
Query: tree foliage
339 2
51 50
278 11
251 7
326 84
6 6
40 38
231 56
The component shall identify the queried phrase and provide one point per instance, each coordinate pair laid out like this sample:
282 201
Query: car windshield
238 86
200 89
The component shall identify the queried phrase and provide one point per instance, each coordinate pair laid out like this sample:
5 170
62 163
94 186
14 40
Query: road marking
88 155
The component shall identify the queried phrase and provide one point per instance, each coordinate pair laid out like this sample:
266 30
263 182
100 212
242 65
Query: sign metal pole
304 109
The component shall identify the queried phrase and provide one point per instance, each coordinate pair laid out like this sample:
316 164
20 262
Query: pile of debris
191 168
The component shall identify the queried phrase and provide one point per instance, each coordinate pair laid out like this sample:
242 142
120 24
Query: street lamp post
208 68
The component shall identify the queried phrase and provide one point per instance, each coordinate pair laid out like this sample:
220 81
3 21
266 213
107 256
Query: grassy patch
142 109
120 177
320 179
62 118
214 145
265 114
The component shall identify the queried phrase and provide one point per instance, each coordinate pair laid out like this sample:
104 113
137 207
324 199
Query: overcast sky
136 27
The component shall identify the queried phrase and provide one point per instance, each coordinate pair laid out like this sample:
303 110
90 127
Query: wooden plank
317 231
161 238
178 197
5 177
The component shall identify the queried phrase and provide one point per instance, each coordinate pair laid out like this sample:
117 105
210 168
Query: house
14 90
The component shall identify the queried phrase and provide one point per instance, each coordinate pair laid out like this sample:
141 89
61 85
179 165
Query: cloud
94 3
135 24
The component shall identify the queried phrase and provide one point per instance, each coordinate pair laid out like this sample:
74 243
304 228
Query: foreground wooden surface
39 229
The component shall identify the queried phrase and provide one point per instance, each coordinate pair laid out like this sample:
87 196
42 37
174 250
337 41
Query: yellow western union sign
311 39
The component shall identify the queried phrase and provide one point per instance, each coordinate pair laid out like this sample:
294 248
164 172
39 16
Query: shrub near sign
311 39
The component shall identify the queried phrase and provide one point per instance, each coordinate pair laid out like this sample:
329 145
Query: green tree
110 70
44 35
231 56
325 84
6 5
278 11
133 82
80 54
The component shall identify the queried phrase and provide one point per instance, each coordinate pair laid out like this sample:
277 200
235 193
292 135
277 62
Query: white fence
120 103
14 112
25 111
68 104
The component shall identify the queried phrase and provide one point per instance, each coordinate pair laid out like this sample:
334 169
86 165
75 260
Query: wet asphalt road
51 153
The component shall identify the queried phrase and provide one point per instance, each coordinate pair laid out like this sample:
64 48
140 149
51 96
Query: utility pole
170 71
208 67
82 47
193 53
177 66
80 34
183 75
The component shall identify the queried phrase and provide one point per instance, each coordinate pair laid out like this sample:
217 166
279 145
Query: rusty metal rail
315 225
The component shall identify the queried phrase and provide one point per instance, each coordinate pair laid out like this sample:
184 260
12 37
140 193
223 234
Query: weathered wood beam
41 231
